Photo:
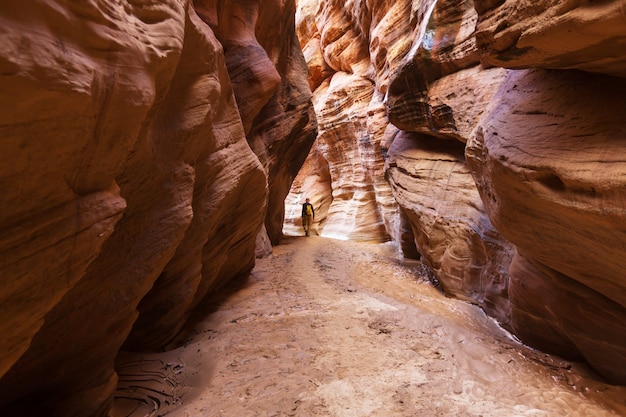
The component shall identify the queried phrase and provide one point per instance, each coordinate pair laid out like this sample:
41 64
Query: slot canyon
467 165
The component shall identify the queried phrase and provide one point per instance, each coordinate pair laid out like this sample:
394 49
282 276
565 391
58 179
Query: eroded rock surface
452 231
357 202
148 147
410 94
551 169
510 178
270 82
572 34
130 188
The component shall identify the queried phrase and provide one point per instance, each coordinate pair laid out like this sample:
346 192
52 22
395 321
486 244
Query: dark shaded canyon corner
156 156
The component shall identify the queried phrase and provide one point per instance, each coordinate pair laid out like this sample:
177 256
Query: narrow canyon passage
153 149
332 328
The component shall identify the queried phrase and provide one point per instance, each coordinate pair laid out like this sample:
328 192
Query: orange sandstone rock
568 34
550 168
485 161
132 190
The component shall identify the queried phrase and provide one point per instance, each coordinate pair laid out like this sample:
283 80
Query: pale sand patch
330 328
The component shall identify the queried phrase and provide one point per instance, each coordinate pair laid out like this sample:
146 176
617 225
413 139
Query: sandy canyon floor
331 328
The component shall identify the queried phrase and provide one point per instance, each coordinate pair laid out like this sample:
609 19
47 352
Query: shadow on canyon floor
331 328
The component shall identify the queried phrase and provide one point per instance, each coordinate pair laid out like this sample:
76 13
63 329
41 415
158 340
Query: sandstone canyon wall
499 128
142 146
353 199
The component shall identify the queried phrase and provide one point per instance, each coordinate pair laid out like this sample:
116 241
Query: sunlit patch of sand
330 328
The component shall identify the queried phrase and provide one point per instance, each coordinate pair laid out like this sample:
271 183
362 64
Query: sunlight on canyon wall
149 149
501 146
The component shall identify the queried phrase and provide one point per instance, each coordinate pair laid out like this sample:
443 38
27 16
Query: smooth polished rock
452 232
543 156
123 191
549 164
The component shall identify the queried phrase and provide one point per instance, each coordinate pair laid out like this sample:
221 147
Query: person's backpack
309 210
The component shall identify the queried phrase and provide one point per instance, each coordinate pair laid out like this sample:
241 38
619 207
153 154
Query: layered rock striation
140 157
269 76
392 132
499 126
356 202
148 148
551 170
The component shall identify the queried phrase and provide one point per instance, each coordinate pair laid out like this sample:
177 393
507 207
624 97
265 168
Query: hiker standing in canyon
308 215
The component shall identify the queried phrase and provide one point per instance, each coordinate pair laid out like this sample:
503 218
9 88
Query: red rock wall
551 170
269 76
549 162
502 138
410 172
136 178
356 202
